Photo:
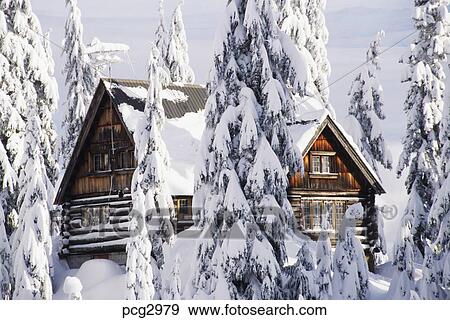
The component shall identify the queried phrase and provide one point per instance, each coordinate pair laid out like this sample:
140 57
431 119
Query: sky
352 25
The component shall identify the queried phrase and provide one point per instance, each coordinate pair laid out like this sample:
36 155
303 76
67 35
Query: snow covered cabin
95 190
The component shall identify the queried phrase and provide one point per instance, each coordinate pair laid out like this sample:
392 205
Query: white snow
72 287
182 137
104 279
174 96
100 279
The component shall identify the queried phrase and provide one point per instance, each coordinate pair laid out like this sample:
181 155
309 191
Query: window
316 164
326 168
183 209
101 162
326 222
95 216
306 215
125 160
321 162
317 214
340 208
323 215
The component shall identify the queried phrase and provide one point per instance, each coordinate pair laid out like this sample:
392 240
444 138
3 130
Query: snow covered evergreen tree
423 108
162 39
139 249
177 58
11 96
174 289
324 267
429 286
32 80
295 23
316 45
403 277
366 108
246 154
151 172
5 259
8 180
350 271
80 80
302 283
32 243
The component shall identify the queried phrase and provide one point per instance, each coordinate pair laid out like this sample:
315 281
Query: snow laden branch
152 202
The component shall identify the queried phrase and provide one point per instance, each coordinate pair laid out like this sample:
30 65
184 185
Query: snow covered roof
183 106
182 138
311 122
178 99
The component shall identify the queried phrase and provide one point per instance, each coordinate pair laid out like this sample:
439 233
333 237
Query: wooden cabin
336 175
95 191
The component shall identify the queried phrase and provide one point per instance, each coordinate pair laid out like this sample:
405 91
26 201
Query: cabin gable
106 162
329 168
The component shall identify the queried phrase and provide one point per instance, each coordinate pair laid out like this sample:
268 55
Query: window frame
316 214
325 166
120 160
183 209
322 163
314 164
102 160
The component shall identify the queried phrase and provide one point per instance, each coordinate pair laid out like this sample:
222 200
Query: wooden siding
344 177
107 132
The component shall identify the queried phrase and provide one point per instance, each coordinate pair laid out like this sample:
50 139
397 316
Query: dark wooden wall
347 177
86 182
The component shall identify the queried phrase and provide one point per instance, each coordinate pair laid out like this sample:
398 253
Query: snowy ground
105 280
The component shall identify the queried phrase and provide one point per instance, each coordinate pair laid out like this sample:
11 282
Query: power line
345 75
366 62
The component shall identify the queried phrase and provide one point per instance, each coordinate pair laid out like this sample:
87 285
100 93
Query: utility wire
345 75
366 62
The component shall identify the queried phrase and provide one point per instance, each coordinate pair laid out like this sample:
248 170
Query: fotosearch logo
389 212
